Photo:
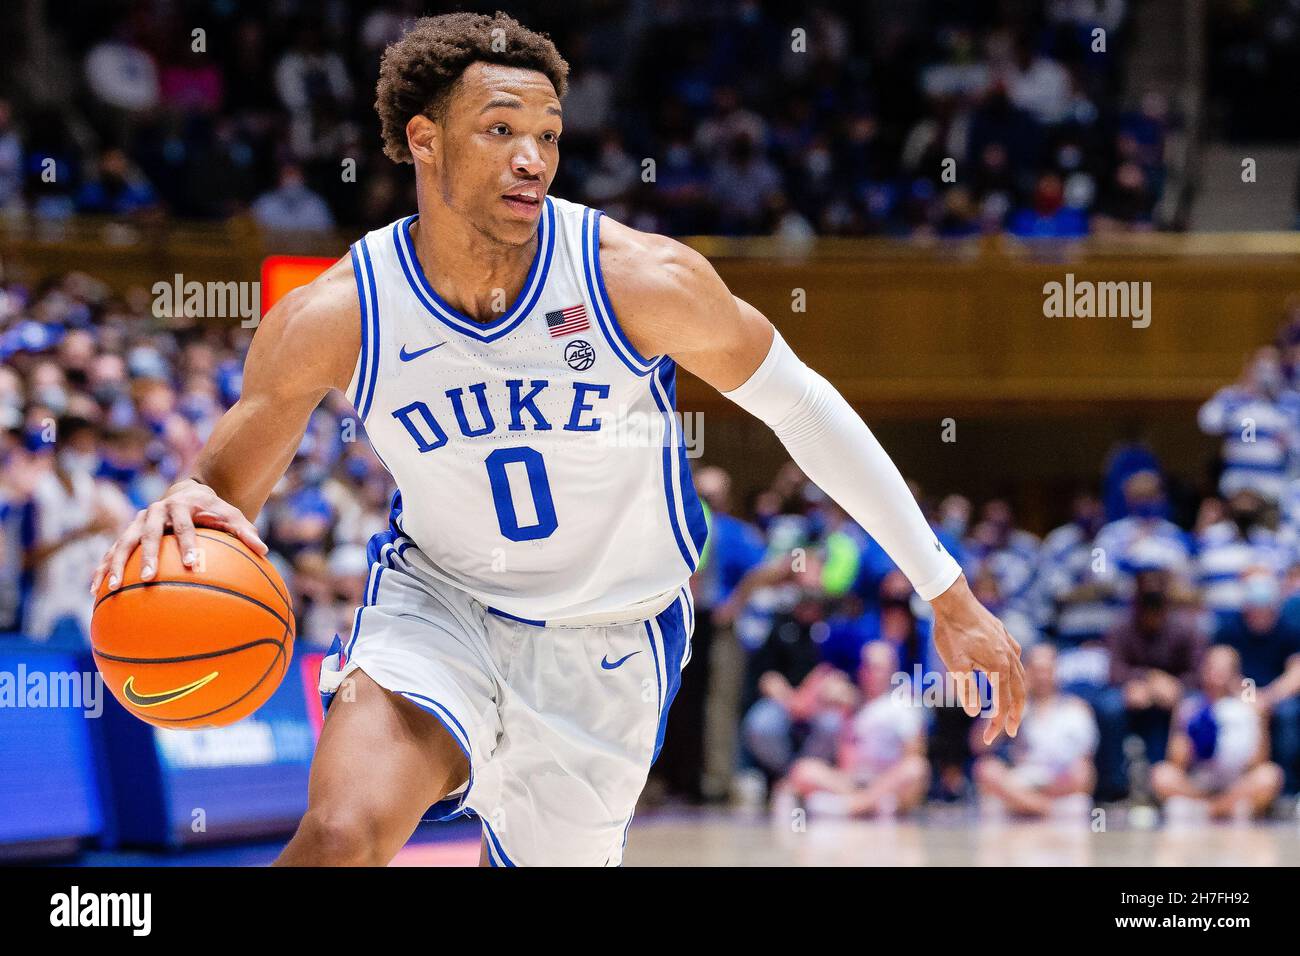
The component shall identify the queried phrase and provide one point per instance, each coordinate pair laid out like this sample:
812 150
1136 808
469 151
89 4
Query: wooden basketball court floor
941 836
729 838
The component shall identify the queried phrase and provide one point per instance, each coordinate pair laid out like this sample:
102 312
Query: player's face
501 149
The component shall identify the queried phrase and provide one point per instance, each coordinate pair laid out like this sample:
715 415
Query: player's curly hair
419 71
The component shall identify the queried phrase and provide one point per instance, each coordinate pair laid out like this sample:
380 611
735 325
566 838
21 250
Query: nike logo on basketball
153 700
609 665
406 356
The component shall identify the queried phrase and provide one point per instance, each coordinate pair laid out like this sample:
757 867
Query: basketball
195 647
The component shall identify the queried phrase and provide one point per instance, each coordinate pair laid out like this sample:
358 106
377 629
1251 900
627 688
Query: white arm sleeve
837 451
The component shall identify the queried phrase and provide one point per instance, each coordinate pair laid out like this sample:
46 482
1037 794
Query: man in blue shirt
732 548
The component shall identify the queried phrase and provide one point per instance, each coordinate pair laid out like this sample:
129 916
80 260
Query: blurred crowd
921 119
103 405
1163 661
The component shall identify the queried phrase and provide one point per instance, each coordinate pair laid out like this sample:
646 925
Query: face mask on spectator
1245 519
1152 599
1260 591
1147 509
1089 524
106 393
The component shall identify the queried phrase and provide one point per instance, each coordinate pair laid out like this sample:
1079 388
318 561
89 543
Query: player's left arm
670 301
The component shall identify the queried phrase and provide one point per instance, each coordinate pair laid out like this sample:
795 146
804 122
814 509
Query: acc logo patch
580 355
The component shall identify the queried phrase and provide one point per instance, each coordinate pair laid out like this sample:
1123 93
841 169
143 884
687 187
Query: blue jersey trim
375 345
671 625
599 296
663 389
444 715
371 596
695 520
496 854
511 617
451 317
364 358
451 807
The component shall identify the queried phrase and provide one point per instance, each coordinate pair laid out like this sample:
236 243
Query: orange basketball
201 647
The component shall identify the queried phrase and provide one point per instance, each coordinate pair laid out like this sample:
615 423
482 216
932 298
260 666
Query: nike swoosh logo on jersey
609 665
153 700
406 356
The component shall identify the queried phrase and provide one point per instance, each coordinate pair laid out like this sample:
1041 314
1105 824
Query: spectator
1080 603
880 767
1153 657
1268 648
1145 535
795 704
292 206
744 184
121 74
1050 769
1257 421
11 161
116 188
73 518
1218 754
1048 216
1231 546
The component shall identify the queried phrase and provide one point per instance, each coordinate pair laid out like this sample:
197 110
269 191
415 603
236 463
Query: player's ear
421 138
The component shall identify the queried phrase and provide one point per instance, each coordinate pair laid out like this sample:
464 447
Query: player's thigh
383 755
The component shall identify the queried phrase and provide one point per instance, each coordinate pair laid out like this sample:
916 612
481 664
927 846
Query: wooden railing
899 325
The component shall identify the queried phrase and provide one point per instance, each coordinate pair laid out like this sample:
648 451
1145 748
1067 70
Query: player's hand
188 505
969 638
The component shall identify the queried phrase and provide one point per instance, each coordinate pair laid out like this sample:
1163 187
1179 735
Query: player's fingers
186 541
998 718
968 694
232 520
155 521
1019 694
100 570
244 530
122 549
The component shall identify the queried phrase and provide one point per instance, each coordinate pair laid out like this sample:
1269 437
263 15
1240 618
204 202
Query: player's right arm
306 345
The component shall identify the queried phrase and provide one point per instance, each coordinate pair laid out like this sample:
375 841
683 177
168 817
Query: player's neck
476 274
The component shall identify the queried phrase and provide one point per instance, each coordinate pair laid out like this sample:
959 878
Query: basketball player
527 614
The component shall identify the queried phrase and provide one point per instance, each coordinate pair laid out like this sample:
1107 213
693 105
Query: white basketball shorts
560 723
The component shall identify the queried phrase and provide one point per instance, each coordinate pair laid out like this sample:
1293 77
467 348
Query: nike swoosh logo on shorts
609 665
406 356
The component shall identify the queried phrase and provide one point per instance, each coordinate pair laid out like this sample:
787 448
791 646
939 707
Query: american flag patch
566 321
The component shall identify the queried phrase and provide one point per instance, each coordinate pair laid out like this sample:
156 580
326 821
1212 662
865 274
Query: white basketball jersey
539 463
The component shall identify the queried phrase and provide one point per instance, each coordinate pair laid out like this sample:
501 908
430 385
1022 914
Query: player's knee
341 838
